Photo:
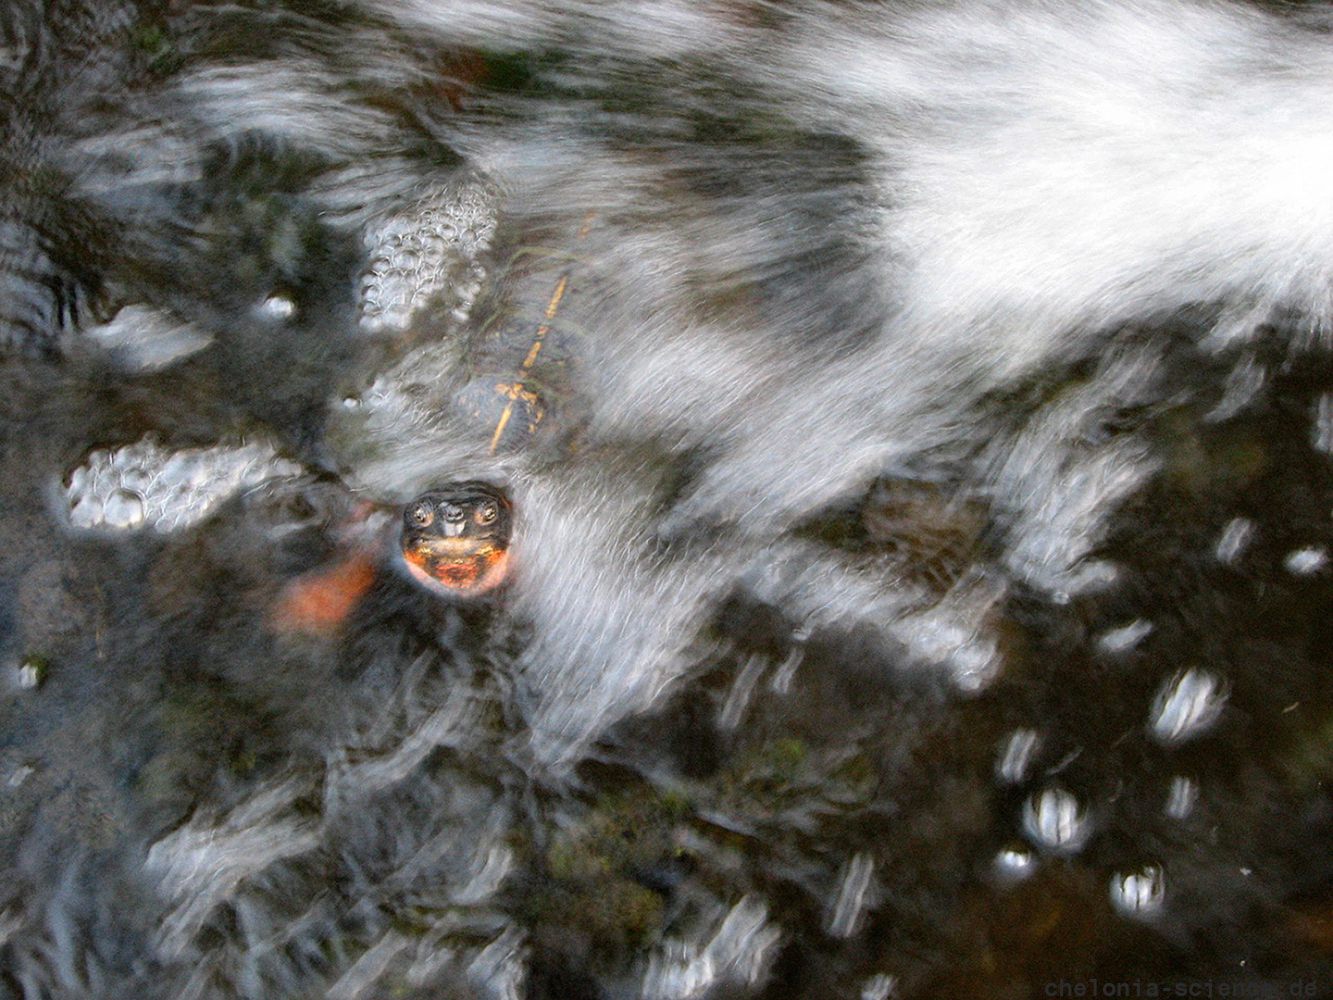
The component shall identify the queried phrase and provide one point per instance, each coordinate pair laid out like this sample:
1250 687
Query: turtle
456 539
496 384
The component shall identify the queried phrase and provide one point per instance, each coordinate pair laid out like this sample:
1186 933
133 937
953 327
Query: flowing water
919 424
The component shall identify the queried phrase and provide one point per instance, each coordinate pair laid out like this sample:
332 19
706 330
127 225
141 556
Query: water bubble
1014 864
499 970
1180 798
742 690
360 979
1054 819
278 307
854 896
739 953
1124 638
137 479
879 987
124 509
1186 705
782 677
1017 756
1307 561
1322 432
144 339
1139 894
1235 539
1242 385
86 512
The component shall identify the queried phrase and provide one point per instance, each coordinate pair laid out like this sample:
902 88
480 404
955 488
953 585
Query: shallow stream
919 425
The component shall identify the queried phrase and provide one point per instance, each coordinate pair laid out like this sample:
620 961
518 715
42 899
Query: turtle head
455 539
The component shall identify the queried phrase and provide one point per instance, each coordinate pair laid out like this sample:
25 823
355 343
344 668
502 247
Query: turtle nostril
453 512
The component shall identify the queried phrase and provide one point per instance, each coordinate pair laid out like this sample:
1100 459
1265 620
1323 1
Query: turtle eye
452 512
421 515
488 513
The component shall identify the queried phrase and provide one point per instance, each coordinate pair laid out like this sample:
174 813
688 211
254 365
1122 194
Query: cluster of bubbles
430 252
148 486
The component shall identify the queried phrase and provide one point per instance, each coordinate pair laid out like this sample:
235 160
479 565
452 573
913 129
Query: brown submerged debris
935 535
